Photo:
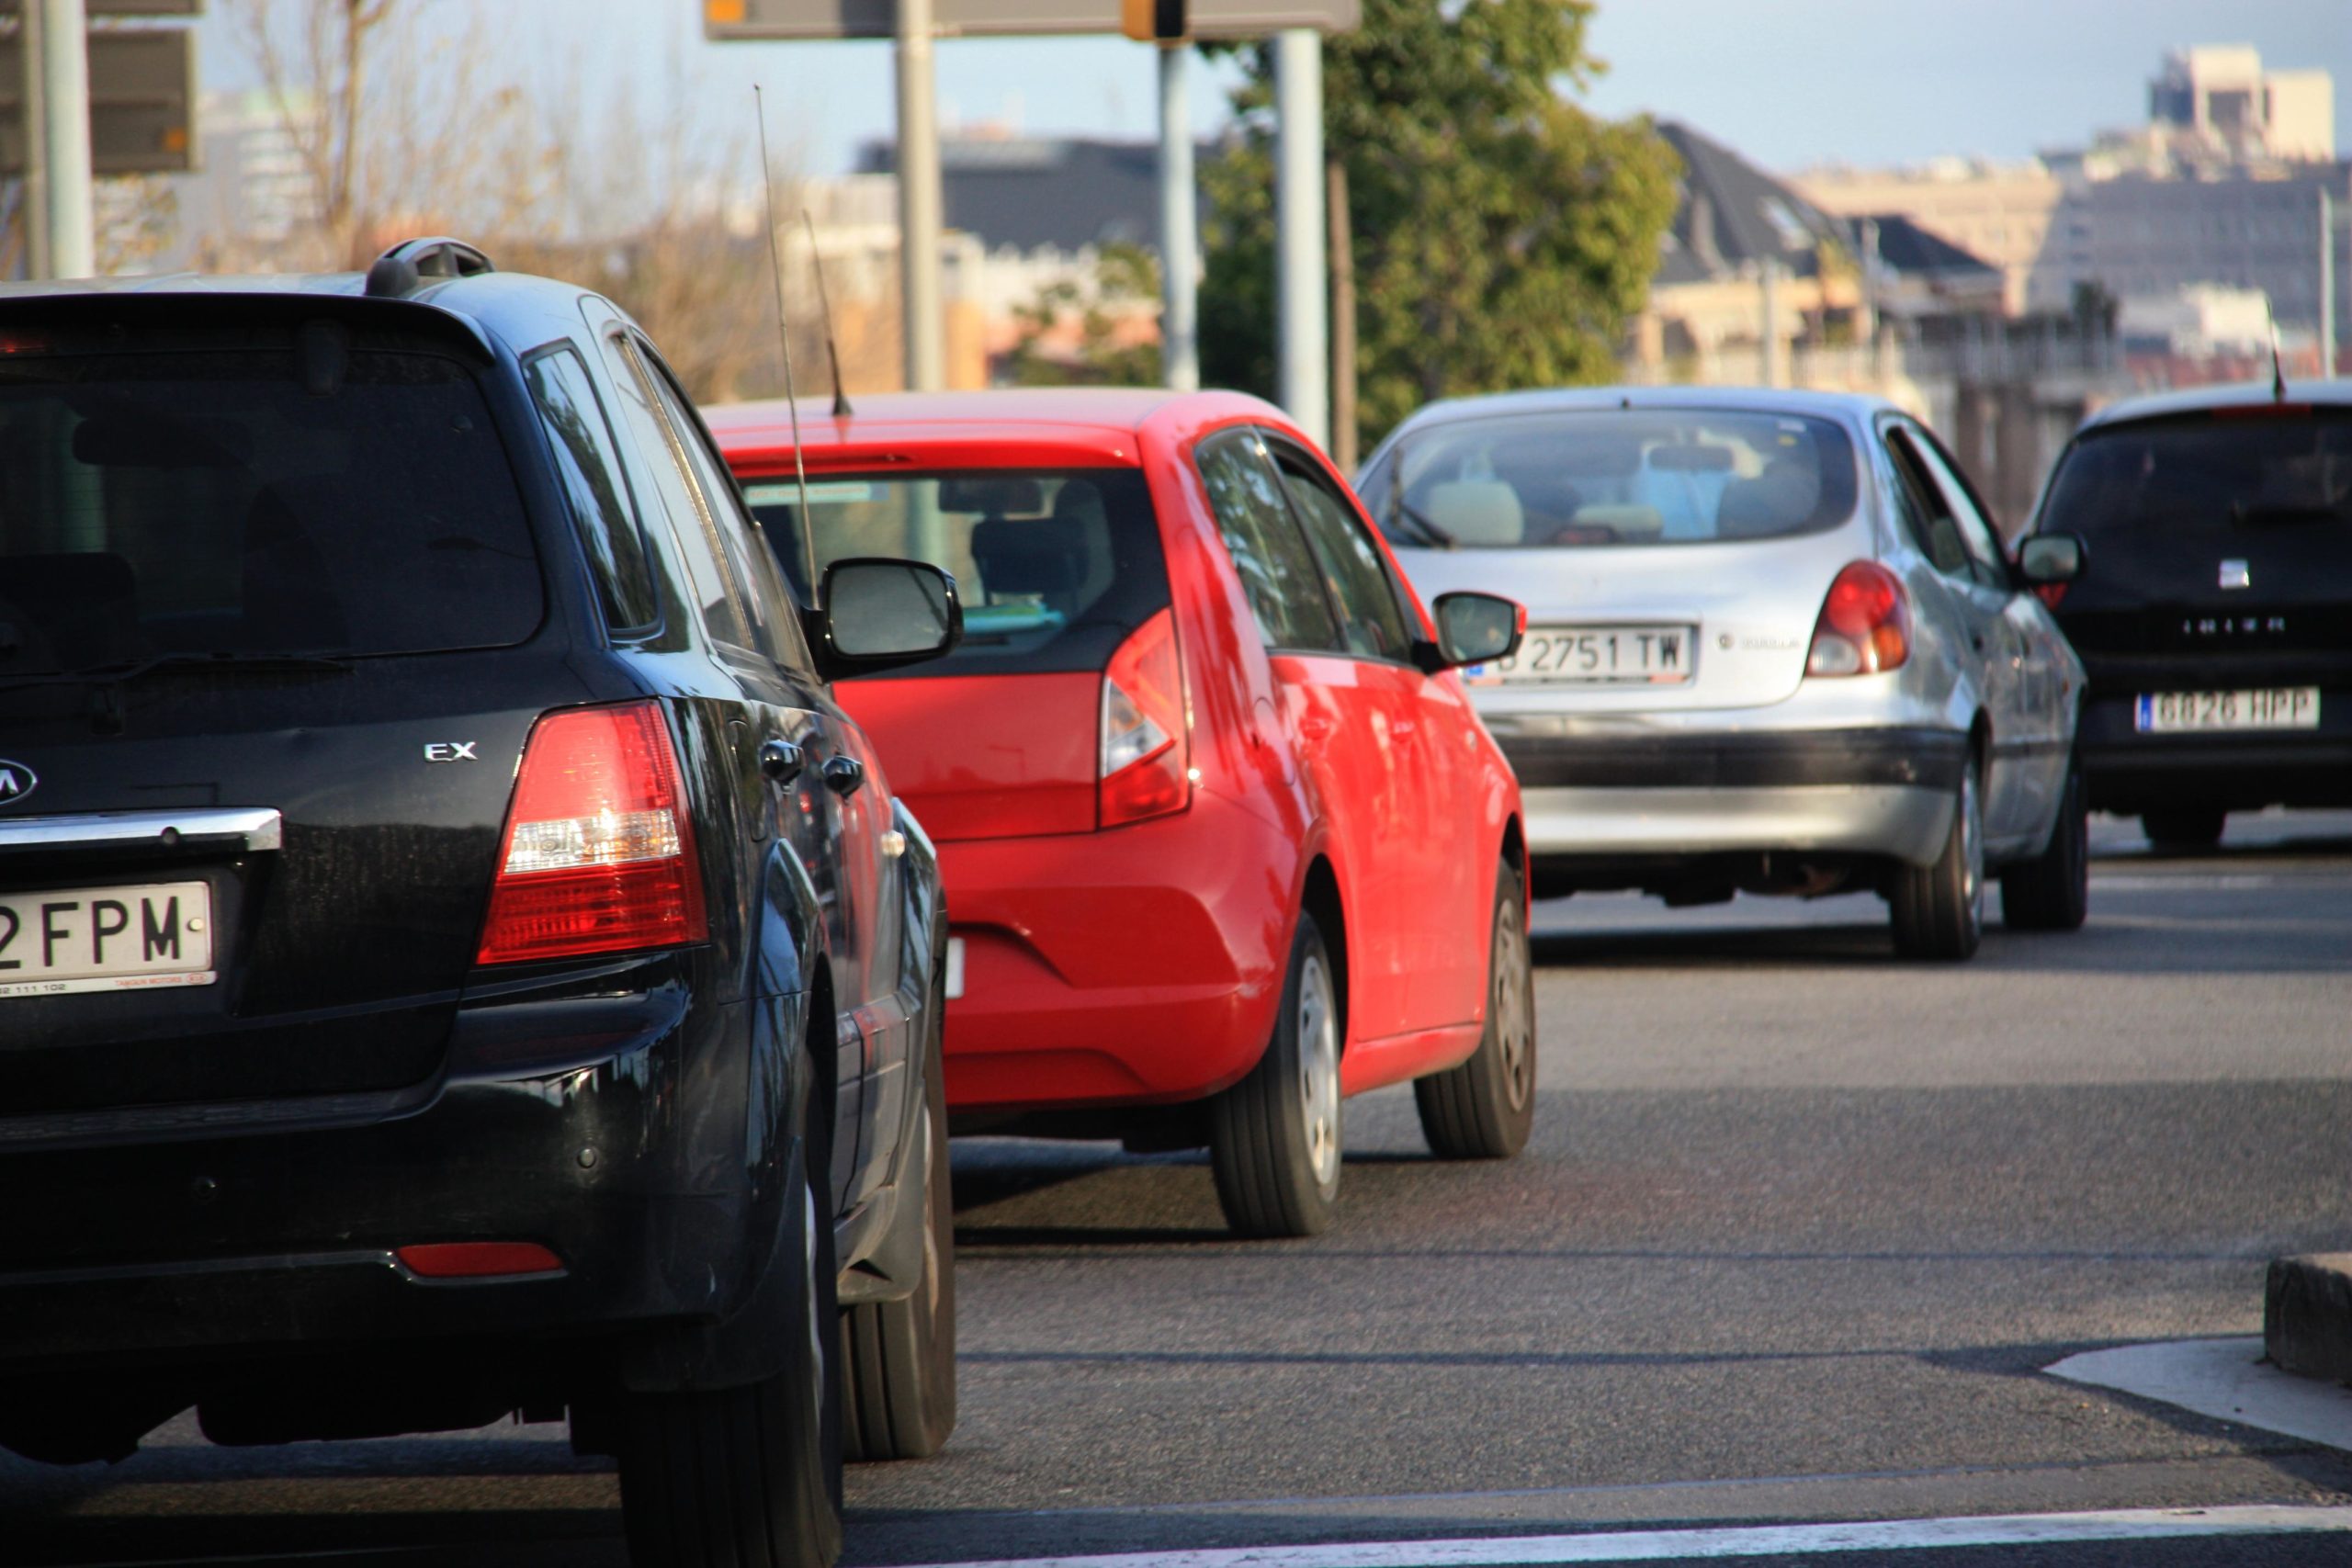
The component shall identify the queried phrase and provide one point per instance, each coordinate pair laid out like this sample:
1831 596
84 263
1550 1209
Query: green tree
1125 274
1502 237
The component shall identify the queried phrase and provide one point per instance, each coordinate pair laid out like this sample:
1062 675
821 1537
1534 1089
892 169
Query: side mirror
1473 628
2048 561
876 614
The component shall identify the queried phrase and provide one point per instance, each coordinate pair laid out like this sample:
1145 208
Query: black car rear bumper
2130 773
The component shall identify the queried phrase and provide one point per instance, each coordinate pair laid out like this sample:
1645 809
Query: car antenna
783 337
825 307
2277 376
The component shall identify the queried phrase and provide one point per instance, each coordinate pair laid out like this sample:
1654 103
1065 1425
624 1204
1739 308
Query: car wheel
1939 908
1274 1136
2184 828
746 1477
2052 891
899 1357
1485 1108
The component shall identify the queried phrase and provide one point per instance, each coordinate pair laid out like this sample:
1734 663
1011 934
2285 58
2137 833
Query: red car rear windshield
1056 566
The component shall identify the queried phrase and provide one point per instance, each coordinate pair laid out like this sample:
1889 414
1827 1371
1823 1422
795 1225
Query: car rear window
1613 477
2207 478
1056 566
211 501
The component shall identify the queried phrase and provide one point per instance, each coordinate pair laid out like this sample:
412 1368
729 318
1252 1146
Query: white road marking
1762 1541
2225 1379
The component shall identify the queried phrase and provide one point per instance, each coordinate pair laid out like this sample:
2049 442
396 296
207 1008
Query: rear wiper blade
132 669
1430 532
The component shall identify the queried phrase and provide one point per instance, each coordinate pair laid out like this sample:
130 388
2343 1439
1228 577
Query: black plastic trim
1927 759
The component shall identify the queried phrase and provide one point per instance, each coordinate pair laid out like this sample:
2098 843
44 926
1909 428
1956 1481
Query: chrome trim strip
257 826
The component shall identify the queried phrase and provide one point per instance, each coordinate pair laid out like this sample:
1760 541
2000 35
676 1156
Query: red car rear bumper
1136 967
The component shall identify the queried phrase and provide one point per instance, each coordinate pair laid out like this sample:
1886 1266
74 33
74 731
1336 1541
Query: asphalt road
1801 1228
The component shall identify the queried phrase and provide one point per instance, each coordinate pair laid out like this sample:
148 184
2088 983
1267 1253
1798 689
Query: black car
455 956
2208 536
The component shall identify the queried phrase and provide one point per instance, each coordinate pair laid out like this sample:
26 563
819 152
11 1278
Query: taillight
2049 592
599 850
1147 755
1865 624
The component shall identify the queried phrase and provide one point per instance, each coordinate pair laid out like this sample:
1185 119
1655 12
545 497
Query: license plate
2286 707
106 939
954 982
1598 655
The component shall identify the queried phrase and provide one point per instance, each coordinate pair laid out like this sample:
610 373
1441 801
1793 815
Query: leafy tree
1501 236
1125 274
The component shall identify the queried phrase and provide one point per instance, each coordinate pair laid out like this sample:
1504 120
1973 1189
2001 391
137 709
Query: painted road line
2226 1379
1759 1541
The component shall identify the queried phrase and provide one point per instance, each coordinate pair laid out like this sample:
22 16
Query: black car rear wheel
898 1357
1274 1136
1939 908
1485 1109
2052 891
2185 827
746 1477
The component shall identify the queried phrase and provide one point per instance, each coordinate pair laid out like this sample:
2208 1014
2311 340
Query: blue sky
1787 82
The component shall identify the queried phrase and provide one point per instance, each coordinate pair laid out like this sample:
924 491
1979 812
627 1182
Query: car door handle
843 775
780 761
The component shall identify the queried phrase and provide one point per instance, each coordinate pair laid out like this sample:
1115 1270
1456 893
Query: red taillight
599 850
1865 624
1147 753
2049 592
478 1259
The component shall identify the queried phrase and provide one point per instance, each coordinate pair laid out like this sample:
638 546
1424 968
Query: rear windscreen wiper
1431 533
132 669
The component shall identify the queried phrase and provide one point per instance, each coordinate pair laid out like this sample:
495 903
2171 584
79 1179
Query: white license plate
954 983
2286 707
106 939
1598 655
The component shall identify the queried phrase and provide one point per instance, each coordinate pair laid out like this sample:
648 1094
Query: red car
1223 839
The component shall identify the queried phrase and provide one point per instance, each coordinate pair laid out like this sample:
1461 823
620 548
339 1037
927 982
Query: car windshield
209 503
1056 568
2207 476
1613 477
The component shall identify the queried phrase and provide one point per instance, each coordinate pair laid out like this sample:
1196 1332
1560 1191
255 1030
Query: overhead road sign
1210 19
142 92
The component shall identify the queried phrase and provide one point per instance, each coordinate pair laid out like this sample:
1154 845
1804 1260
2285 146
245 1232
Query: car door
1433 860
1336 711
1973 593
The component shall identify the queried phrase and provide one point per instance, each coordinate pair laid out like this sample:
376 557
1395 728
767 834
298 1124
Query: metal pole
919 201
1302 328
34 194
2327 284
66 83
1770 340
1180 330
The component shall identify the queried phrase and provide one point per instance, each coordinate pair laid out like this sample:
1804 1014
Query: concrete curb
2307 1316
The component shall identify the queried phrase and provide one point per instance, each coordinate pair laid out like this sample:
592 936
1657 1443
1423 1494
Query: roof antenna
825 306
2277 376
784 336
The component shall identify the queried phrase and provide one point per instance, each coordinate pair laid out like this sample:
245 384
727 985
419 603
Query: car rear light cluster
598 854
1865 624
1147 755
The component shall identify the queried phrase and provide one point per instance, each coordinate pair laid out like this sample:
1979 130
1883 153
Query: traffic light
1153 21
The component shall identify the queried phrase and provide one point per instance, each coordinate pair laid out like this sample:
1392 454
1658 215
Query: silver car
1773 647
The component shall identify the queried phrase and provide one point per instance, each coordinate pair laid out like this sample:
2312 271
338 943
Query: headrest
993 497
1030 555
1476 511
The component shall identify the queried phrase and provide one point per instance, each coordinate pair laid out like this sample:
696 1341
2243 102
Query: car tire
1274 1136
1485 1109
746 1477
2185 827
2052 891
1939 909
898 1357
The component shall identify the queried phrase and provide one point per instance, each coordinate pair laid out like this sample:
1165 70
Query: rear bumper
1138 966
188 1240
2131 773
1875 791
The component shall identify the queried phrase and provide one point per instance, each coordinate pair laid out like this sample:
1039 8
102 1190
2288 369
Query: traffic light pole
919 199
58 59
1302 321
1180 354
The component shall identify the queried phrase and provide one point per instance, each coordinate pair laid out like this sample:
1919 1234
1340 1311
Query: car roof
997 428
2232 395
1847 408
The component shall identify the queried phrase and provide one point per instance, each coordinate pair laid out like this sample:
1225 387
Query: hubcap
1318 1072
1514 1032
